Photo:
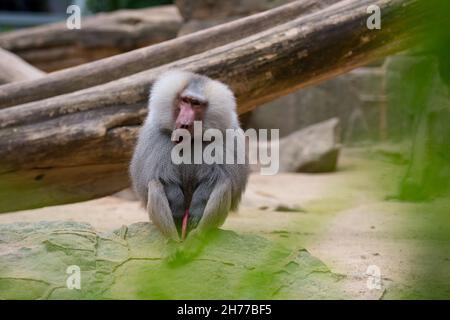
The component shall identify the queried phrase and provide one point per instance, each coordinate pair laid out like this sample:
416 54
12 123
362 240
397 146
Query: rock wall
355 98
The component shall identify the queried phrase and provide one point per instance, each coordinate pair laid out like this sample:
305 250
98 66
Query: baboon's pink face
189 108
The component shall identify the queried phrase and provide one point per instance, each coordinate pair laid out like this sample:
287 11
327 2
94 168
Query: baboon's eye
185 100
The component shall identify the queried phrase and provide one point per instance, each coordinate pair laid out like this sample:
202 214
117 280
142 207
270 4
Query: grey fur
209 191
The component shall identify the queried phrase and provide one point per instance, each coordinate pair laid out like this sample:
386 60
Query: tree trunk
13 68
53 47
125 64
77 146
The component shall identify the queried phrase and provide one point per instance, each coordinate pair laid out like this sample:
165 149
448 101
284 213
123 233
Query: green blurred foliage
418 90
111 5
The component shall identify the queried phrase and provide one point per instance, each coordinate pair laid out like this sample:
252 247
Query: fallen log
13 68
202 10
53 47
76 146
108 69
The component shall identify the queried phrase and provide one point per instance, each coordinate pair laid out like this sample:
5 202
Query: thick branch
13 68
125 64
84 139
53 47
